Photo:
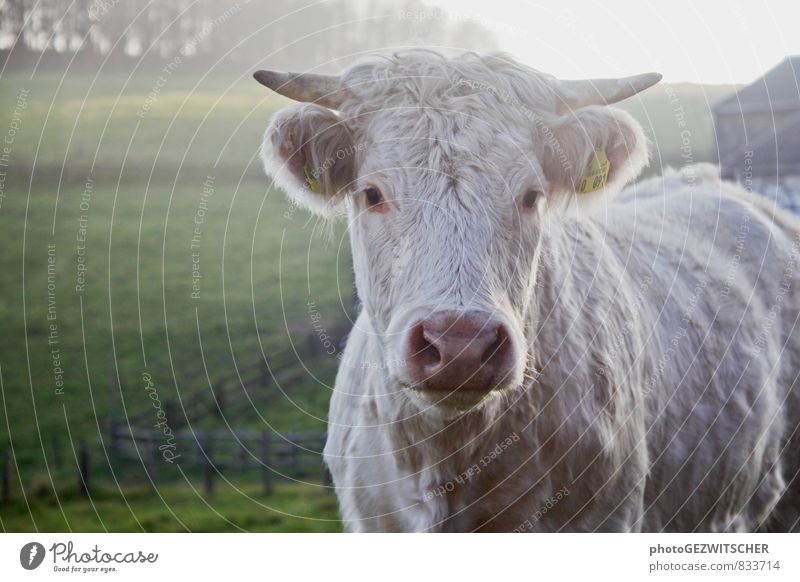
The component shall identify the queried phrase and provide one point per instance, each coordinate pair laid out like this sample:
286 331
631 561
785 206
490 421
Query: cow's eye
528 200
374 199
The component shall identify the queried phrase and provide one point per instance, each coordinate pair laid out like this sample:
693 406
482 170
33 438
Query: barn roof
772 152
778 89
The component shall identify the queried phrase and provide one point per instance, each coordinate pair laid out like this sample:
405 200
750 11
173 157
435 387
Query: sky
701 41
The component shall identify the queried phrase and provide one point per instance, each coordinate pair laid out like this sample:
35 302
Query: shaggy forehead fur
470 82
465 119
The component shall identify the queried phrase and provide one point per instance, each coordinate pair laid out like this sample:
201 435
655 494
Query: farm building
758 135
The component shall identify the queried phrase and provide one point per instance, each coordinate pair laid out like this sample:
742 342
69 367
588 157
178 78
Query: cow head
448 171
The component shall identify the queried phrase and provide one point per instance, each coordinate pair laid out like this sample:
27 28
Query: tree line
289 33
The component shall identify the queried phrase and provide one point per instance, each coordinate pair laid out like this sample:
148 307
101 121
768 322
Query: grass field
128 298
136 125
179 507
132 171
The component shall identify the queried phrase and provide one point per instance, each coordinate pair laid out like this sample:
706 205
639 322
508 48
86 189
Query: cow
537 348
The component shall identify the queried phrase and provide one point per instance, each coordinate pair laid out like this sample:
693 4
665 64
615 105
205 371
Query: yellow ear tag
596 173
312 182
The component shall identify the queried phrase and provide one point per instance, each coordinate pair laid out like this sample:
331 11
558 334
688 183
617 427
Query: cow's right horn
325 90
576 94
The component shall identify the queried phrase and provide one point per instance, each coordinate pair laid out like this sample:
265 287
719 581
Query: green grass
256 299
78 123
180 507
261 263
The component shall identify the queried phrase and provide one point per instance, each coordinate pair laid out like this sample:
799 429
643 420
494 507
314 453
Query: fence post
266 461
152 461
5 486
170 410
83 468
208 475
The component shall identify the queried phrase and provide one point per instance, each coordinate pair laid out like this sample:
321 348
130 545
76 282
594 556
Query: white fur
656 339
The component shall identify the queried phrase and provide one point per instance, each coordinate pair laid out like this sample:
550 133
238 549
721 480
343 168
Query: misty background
142 34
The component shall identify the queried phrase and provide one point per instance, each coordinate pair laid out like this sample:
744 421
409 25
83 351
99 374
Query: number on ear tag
596 173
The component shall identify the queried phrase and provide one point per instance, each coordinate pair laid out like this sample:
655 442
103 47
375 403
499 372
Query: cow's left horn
576 94
324 90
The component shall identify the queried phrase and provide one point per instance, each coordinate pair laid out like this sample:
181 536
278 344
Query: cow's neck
573 265
584 310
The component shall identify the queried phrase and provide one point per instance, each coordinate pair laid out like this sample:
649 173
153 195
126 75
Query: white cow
523 362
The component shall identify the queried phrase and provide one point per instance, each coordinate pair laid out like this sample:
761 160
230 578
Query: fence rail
292 455
214 455
217 454
217 399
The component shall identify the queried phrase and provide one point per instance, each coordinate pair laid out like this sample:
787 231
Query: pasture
138 238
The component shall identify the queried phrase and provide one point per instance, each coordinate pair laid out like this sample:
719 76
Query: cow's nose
453 350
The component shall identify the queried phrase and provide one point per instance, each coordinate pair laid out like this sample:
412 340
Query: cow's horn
324 90
576 94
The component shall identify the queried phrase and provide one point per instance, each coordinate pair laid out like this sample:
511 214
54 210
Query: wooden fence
218 453
214 455
224 397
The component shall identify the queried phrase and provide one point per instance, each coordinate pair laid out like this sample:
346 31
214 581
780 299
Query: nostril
492 348
421 349
496 351
459 351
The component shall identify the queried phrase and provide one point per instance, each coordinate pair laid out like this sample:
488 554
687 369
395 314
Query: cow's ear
593 152
309 152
